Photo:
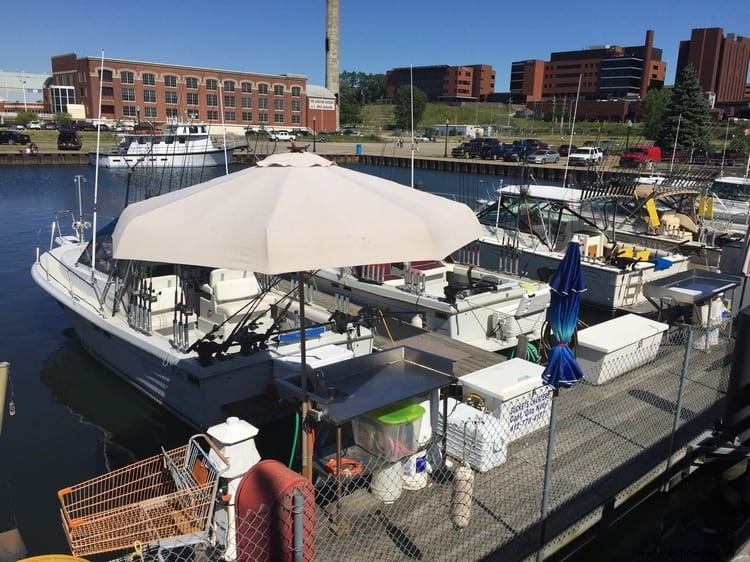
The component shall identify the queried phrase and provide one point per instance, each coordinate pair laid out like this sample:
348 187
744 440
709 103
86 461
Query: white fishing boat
473 305
202 342
179 145
528 228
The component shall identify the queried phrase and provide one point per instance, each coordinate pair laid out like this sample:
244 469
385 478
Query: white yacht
465 302
179 145
202 342
528 228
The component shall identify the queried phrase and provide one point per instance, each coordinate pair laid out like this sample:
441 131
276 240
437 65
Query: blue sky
280 37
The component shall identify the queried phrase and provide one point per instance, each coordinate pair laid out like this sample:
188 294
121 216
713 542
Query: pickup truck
586 156
639 156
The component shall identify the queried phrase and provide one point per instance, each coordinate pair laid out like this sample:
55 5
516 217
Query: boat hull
178 160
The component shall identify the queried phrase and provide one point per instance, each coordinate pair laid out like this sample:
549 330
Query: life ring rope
349 467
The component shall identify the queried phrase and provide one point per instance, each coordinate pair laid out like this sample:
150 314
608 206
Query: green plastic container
405 412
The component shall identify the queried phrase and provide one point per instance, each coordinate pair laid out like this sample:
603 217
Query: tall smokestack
645 76
332 51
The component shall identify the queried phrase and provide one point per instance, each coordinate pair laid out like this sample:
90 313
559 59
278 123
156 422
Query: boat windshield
737 189
547 220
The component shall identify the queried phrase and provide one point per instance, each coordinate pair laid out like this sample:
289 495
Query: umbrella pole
547 475
307 443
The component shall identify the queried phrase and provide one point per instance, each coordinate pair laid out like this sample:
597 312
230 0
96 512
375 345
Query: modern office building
605 72
158 92
721 62
444 83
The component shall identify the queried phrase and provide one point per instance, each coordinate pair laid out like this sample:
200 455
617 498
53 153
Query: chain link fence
630 417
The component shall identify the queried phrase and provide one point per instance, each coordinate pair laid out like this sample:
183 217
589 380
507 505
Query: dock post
736 418
4 375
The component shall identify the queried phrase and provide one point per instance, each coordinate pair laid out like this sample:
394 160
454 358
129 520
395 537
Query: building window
171 113
149 96
128 110
212 100
106 75
247 87
247 102
128 94
278 105
193 114
170 97
83 92
262 103
170 81
149 79
247 115
192 98
127 77
278 90
230 101
278 117
296 120
213 115
191 82
296 105
229 85
263 89
262 117
150 112
296 91
212 84
108 92
230 116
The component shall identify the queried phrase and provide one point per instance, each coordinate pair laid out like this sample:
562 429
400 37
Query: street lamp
627 138
445 152
314 133
22 79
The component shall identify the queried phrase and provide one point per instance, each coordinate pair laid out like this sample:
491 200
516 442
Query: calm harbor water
74 419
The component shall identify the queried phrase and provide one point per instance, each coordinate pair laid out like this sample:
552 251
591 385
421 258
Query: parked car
586 156
734 157
13 137
669 155
69 140
543 157
471 149
516 153
640 156
494 151
34 125
281 136
566 149
49 125
102 127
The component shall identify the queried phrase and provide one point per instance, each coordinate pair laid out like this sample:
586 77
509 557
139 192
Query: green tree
402 110
63 118
24 117
688 110
653 107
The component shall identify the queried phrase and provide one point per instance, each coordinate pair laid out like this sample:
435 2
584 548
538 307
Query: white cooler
514 393
614 347
317 357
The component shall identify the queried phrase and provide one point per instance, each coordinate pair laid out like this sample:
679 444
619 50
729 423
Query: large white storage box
614 347
316 358
473 436
514 393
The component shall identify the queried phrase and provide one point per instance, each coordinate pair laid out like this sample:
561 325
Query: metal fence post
678 405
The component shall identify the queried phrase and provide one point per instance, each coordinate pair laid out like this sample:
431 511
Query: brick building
444 83
721 62
157 92
605 71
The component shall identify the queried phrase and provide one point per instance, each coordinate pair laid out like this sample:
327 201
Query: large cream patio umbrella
293 213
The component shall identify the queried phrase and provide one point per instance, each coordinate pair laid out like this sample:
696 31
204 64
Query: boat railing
80 288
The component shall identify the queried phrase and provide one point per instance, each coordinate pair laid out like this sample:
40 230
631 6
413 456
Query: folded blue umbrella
567 284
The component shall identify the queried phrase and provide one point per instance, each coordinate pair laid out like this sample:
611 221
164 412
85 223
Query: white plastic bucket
386 483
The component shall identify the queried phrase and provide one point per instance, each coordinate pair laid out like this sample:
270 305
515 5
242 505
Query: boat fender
463 488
